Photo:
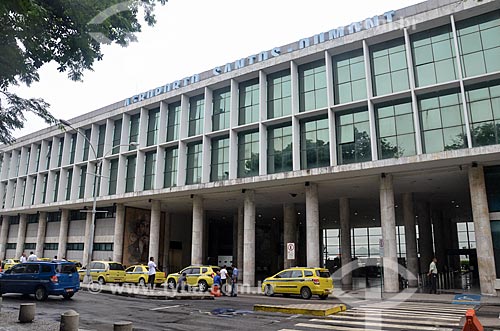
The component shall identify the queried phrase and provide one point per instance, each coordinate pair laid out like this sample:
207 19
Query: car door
280 281
193 275
15 283
130 276
296 281
31 277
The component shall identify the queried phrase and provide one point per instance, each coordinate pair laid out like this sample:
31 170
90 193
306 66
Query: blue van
41 279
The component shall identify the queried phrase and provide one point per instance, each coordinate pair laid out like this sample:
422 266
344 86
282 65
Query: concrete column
249 238
240 242
388 222
482 228
289 232
119 233
312 225
345 242
40 235
21 235
424 236
3 236
197 241
88 223
63 233
439 241
154 230
410 238
166 245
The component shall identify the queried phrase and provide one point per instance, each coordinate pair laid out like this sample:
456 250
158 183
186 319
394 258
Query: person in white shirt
23 258
32 257
433 272
151 272
223 279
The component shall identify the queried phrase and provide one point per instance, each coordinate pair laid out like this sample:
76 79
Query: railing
448 280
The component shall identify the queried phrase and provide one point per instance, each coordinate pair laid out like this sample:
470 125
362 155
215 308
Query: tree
69 32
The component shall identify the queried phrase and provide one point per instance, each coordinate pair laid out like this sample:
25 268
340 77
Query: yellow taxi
138 274
303 281
104 272
78 264
201 276
9 263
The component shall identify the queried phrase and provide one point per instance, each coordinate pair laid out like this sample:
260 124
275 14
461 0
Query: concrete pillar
388 222
166 245
482 228
240 242
289 232
439 241
40 235
88 223
197 241
410 238
63 233
3 236
345 242
21 235
312 225
249 238
119 233
70 321
154 230
424 236
123 326
27 312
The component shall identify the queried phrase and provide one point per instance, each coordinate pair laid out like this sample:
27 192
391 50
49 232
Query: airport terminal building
376 139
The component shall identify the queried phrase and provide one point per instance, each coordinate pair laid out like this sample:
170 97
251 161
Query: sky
192 36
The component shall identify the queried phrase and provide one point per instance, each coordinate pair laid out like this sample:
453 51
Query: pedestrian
151 272
182 283
433 272
23 258
223 279
32 257
234 280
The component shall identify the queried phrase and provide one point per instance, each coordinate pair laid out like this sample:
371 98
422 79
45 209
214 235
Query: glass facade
47 159
194 163
100 140
479 44
221 108
353 137
117 135
442 124
279 94
86 145
220 159
349 77
153 126
113 176
395 130
83 178
149 170
249 102
134 130
37 158
69 180
484 115
389 67
492 181
312 86
279 149
130 173
55 192
434 56
170 175
314 143
60 151
173 119
248 154
196 111
72 149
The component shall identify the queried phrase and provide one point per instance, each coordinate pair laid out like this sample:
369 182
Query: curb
156 296
306 309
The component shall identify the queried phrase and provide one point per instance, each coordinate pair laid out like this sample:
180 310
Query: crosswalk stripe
411 311
385 319
393 314
431 307
417 310
376 325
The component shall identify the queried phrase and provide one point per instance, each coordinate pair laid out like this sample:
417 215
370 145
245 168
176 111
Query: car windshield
66 268
115 266
323 273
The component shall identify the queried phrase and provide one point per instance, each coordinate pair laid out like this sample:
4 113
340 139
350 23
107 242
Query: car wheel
142 282
101 280
40 293
68 296
171 283
323 296
202 286
269 291
305 293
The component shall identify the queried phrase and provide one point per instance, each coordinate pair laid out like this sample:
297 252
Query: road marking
166 307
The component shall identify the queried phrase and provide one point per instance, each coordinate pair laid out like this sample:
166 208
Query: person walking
23 258
32 257
433 272
223 280
234 280
182 283
151 272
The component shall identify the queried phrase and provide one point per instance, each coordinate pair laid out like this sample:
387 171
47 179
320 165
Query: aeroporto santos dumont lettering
340 32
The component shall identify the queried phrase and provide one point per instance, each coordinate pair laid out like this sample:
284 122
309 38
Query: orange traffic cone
471 321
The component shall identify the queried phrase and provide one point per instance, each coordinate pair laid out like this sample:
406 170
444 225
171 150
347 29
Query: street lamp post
88 277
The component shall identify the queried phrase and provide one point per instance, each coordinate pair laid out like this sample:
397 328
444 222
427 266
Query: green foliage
69 32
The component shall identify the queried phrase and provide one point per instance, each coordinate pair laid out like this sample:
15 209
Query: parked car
104 272
138 274
9 263
304 281
197 276
41 279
